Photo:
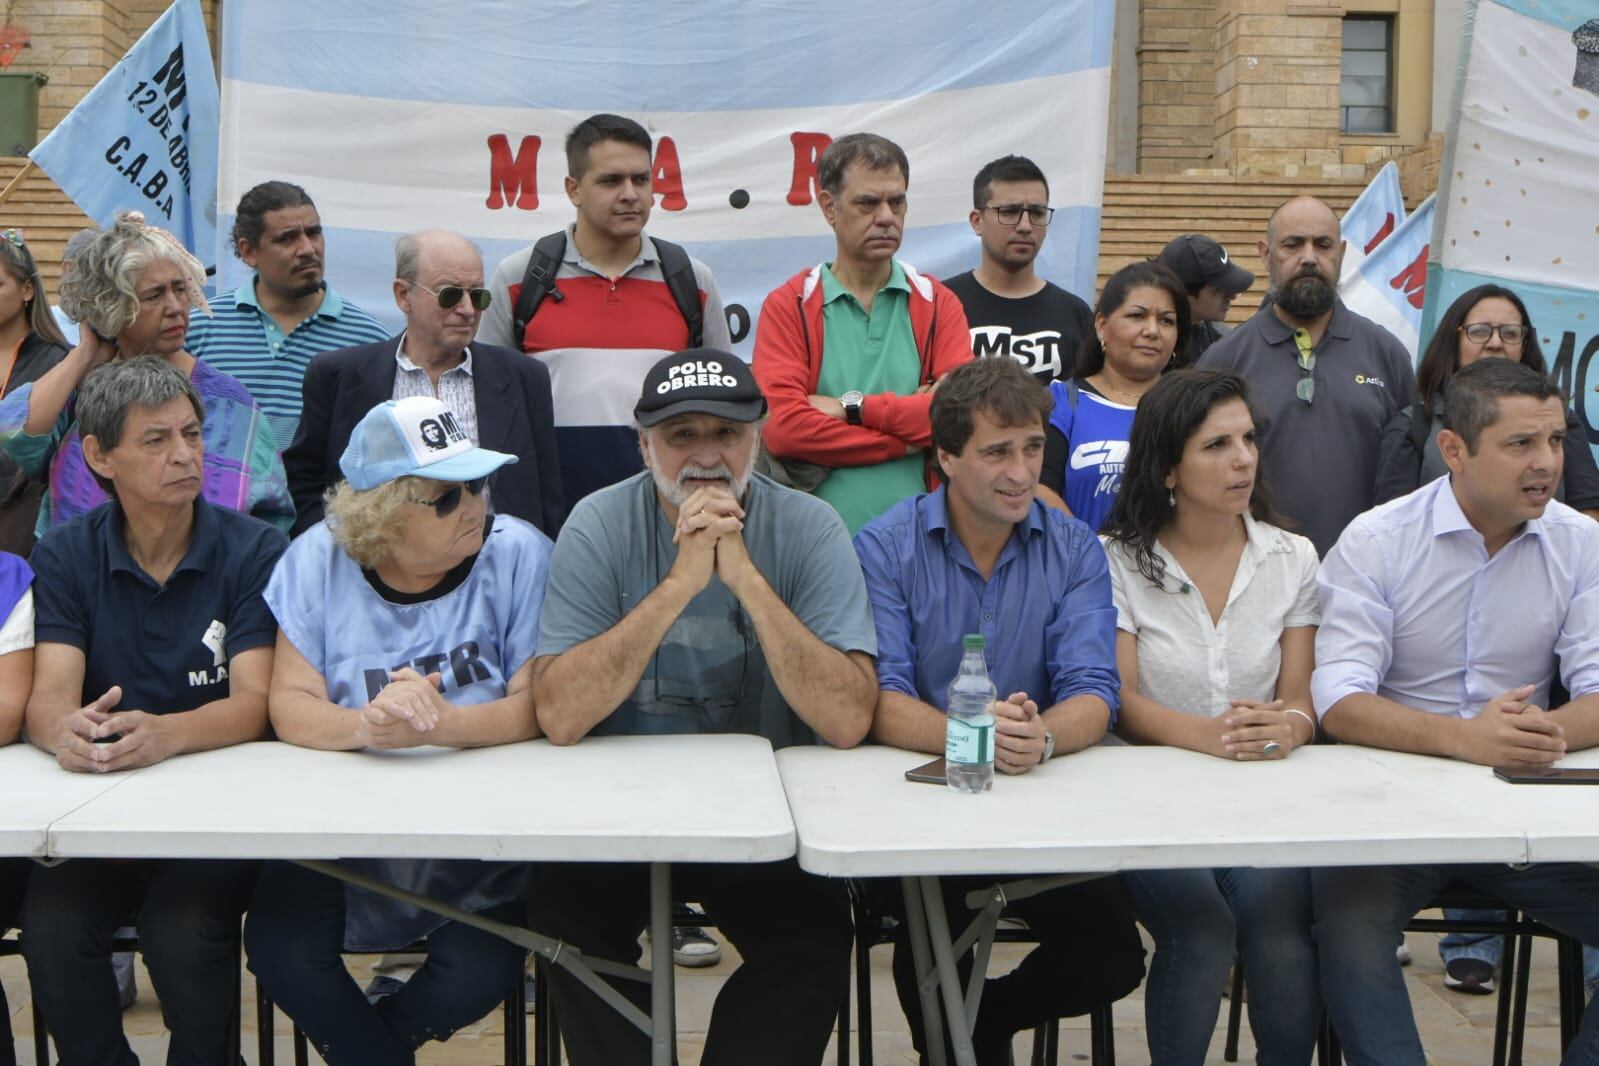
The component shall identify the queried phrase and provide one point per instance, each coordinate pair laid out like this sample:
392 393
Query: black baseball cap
1198 261
703 381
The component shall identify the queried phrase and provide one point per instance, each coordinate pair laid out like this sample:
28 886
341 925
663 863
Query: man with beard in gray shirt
1324 380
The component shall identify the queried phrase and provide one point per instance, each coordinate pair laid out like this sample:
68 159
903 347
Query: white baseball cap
417 436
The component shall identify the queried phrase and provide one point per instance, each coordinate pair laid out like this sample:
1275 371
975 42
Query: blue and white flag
1517 181
1371 219
1391 284
145 137
395 117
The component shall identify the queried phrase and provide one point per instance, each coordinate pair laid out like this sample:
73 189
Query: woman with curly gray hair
132 288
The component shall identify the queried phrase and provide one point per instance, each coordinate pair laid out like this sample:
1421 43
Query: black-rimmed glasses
1510 333
1011 214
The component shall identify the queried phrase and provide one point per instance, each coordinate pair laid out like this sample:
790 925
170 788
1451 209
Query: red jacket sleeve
786 371
907 417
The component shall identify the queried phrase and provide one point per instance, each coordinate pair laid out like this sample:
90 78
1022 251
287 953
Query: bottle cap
974 640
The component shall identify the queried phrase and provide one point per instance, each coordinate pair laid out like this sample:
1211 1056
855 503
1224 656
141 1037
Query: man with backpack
600 302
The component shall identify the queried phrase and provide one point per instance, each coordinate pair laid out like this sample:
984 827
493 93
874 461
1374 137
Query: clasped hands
93 740
710 540
406 713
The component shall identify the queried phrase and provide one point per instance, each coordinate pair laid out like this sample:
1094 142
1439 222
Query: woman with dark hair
1141 327
30 343
1489 321
1216 612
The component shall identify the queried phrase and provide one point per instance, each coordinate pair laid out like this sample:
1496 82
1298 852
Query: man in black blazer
501 397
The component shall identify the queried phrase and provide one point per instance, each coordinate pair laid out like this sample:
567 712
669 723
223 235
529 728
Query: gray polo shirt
1320 458
709 674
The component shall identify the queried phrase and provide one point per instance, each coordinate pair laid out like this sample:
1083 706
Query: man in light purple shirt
1446 615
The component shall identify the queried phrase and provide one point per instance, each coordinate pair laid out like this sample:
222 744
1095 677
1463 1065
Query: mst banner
1516 198
402 114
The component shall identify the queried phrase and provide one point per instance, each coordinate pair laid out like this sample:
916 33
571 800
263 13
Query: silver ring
1271 748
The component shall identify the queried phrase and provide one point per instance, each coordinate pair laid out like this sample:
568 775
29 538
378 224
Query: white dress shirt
1191 664
455 388
1414 610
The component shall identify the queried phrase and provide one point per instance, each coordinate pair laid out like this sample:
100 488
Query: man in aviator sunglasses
700 597
500 398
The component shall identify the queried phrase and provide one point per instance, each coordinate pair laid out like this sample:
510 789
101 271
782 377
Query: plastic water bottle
969 736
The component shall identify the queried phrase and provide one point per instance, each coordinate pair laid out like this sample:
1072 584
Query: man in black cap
700 597
1213 281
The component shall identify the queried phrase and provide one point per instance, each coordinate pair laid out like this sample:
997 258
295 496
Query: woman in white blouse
1216 615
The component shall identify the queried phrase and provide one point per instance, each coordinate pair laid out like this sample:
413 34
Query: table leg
663 1018
949 978
922 956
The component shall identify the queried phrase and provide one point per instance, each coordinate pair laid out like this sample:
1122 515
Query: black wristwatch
852 406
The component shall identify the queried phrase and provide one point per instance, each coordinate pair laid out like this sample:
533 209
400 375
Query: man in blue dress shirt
1446 616
980 555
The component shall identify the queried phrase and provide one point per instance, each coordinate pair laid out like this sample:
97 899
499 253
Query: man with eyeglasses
848 352
500 398
1010 310
266 331
700 597
1324 380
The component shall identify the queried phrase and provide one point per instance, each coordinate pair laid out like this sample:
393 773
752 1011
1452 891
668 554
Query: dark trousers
792 931
187 914
13 885
1088 955
295 939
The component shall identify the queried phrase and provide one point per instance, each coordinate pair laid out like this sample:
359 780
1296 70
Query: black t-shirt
1043 332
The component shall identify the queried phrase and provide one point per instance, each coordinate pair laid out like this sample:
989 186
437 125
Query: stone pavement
1456 1029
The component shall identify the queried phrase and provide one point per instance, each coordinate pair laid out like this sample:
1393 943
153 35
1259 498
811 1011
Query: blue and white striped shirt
241 339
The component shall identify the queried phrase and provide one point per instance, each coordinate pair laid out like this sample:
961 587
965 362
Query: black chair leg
265 1049
1235 1014
302 1053
863 974
1523 976
1571 988
41 1036
1102 1037
1507 985
843 1026
8 1051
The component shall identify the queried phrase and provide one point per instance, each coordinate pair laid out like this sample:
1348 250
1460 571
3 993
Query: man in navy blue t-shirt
152 639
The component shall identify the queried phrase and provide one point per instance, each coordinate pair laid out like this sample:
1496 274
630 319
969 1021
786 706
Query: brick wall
1176 84
76 41
1276 99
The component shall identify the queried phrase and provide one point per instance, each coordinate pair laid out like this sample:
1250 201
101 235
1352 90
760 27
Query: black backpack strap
538 281
678 270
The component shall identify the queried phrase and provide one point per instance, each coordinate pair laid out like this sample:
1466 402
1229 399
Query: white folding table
1124 808
656 800
34 792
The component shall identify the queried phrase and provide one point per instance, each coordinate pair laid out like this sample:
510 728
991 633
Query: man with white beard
699 597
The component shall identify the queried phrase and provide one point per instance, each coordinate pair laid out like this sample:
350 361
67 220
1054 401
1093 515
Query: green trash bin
19 111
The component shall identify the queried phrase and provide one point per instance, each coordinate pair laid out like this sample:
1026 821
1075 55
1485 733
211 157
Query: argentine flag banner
1371 219
401 115
1516 196
1390 286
